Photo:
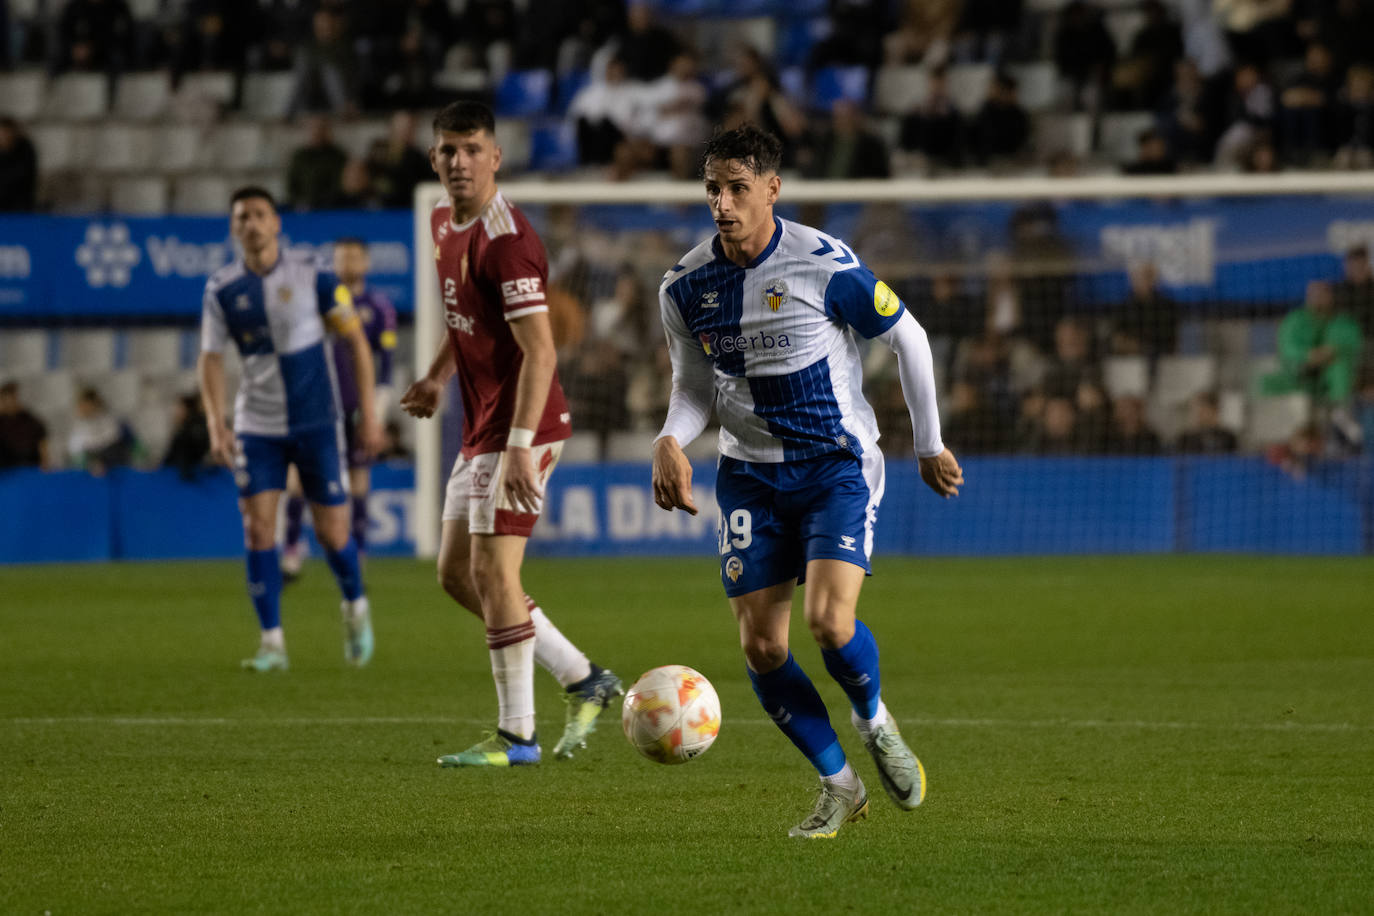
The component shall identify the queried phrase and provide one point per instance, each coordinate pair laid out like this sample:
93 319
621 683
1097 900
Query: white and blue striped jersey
277 322
779 338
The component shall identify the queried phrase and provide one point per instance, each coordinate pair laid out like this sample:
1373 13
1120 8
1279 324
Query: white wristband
520 438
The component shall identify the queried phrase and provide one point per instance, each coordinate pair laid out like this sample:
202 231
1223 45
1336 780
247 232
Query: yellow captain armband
388 340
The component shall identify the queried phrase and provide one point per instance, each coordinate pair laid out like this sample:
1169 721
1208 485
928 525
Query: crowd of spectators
1257 85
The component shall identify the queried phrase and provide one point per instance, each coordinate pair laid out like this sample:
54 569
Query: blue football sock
295 514
360 522
344 564
855 667
789 697
264 586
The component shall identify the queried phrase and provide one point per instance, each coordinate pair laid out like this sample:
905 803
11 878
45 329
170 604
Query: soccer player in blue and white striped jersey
276 308
761 323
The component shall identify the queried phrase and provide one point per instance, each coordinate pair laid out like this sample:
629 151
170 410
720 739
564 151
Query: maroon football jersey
492 270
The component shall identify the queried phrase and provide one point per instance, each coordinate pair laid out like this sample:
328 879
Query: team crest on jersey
711 300
242 302
775 294
734 568
283 294
885 301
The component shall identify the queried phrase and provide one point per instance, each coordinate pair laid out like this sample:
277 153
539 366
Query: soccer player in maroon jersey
492 276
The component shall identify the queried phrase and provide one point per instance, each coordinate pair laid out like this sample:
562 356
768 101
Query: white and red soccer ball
671 714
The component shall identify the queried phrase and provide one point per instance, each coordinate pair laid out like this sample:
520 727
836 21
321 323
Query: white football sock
512 668
865 726
845 779
554 652
274 639
356 608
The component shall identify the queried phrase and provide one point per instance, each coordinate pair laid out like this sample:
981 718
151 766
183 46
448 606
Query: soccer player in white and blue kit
275 307
761 322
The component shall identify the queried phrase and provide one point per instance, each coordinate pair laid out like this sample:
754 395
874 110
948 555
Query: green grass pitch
1151 735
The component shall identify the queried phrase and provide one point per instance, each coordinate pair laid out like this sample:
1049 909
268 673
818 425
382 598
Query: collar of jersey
762 256
470 223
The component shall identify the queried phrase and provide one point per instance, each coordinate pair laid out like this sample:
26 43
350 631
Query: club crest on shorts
775 294
734 568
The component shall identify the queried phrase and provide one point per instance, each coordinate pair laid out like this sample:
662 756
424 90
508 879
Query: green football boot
266 660
498 749
903 776
835 807
586 701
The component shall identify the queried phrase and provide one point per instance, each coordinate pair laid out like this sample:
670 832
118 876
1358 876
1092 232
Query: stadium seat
1124 23
1054 133
52 394
1126 376
524 94
178 148
1119 131
514 136
86 350
582 448
1264 335
153 350
121 148
122 389
152 425
22 94
1178 378
568 86
200 194
553 147
144 195
143 96
56 146
1273 419
1231 410
77 97
215 86
239 146
357 136
23 352
793 83
831 84
1038 85
968 85
898 90
267 95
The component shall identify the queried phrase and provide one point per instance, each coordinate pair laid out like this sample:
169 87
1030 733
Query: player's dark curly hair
464 117
756 149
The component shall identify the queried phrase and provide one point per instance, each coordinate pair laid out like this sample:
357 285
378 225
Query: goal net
1124 364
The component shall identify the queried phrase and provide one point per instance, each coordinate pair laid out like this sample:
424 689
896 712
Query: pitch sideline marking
1139 724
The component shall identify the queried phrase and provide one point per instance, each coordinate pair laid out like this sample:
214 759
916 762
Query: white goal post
428 316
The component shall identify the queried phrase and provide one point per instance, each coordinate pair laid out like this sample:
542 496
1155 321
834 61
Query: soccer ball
671 714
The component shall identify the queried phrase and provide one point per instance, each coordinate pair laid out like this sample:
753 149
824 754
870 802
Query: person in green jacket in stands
1319 350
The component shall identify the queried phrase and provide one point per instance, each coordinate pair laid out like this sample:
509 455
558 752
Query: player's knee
831 631
764 653
259 534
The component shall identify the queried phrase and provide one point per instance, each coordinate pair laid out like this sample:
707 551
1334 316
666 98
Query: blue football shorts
775 518
317 454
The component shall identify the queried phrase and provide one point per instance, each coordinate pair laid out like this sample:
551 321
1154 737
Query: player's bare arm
421 399
672 476
372 439
534 335
210 372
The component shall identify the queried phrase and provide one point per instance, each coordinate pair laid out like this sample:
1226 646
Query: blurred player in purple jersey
378 318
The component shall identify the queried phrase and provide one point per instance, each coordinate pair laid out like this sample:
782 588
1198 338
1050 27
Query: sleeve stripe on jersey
521 313
525 297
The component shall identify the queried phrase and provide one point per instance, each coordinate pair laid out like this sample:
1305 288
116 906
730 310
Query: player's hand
942 473
371 438
672 477
521 482
221 446
422 398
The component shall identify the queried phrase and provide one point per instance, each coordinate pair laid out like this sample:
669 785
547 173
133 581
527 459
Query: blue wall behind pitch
1010 505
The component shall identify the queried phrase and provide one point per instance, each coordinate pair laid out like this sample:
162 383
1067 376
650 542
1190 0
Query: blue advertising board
155 267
